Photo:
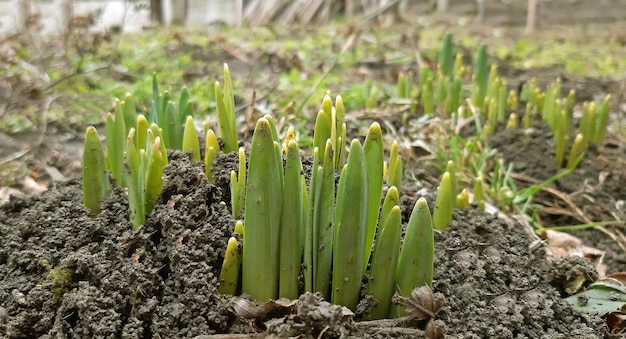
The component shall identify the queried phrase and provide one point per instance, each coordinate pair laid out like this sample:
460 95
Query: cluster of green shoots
325 233
491 103
558 113
303 232
136 147
293 226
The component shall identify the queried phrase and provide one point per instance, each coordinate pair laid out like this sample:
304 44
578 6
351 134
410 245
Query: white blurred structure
55 16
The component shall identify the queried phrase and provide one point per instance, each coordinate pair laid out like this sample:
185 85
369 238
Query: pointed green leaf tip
190 139
373 150
95 178
229 275
578 148
445 61
479 196
351 224
290 225
211 149
415 265
262 216
154 176
384 261
443 207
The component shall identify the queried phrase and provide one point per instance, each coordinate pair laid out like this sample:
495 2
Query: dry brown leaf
565 245
435 329
422 304
30 186
616 321
248 309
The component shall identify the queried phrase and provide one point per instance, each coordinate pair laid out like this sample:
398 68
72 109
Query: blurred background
132 15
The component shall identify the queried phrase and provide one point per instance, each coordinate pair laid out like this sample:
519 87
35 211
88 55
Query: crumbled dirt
496 286
595 191
158 281
65 274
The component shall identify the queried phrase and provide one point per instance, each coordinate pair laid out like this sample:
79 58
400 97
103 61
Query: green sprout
404 86
191 143
594 120
115 140
450 168
373 150
578 149
453 101
168 116
602 120
443 206
291 222
144 175
238 185
350 229
322 200
479 83
384 262
462 199
225 102
416 262
441 89
95 178
427 96
512 101
512 122
394 171
587 121
561 133
479 195
229 274
211 149
239 228
445 59
263 206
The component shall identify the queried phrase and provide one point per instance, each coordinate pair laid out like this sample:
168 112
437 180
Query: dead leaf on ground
422 304
566 245
435 329
249 309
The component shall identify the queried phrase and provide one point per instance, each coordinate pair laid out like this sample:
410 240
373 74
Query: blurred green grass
286 67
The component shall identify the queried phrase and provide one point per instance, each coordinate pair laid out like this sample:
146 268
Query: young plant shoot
443 207
191 143
115 140
144 175
290 225
263 206
95 178
415 265
384 262
229 275
350 229
211 149
225 101
373 150
238 185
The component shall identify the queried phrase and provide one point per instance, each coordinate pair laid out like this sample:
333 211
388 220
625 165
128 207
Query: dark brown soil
67 275
595 191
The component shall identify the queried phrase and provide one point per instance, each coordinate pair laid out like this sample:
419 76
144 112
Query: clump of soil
65 274
497 286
